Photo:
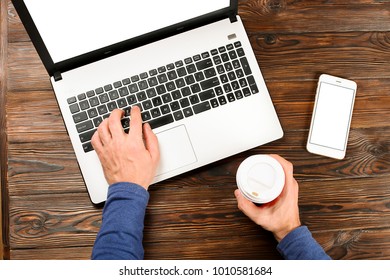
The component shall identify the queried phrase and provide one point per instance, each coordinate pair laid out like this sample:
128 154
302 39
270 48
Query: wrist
283 232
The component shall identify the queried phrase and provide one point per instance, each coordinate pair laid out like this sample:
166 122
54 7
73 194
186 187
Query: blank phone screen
332 114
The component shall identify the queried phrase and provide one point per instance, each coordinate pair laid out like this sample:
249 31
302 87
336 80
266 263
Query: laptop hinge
57 76
233 18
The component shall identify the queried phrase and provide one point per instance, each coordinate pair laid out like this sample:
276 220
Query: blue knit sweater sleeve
121 232
299 244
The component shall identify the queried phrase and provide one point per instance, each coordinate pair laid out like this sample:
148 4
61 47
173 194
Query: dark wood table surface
46 212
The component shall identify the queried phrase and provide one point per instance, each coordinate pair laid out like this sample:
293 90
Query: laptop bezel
55 69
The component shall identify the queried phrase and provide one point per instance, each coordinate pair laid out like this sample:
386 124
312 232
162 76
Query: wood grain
346 204
3 132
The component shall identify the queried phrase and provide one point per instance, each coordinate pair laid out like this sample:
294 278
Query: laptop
188 65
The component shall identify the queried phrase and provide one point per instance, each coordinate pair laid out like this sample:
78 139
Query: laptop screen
70 28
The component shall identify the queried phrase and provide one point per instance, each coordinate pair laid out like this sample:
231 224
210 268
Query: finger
287 166
151 143
246 206
136 122
114 123
104 133
96 142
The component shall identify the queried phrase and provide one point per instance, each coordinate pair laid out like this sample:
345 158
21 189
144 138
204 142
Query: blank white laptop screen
73 27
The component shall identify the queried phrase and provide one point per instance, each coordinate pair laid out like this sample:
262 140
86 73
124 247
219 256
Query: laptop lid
70 33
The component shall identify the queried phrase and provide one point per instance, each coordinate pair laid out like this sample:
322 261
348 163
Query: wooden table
46 210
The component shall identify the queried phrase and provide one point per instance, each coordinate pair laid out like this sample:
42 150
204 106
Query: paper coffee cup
260 178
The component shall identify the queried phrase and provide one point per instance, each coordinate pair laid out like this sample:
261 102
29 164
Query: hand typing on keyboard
131 157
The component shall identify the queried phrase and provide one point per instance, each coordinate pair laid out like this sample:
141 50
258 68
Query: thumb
151 142
246 206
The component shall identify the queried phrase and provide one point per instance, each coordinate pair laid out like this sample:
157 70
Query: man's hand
281 215
125 157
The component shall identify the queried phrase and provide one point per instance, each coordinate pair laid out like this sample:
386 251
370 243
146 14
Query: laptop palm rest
176 149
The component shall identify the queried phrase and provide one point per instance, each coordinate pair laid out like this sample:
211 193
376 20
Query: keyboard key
94 101
87 147
210 73
81 96
178 115
172 75
205 95
187 112
113 94
191 68
81 127
201 107
231 97
155 123
112 106
201 65
92 113
162 78
133 88
152 81
108 87
103 98
102 109
84 105
80 117
175 106
252 85
117 84
126 81
214 103
245 66
123 91
122 103
240 52
157 101
146 116
74 108
87 136
155 112
181 72
99 90
209 83
97 121
131 99
125 122
71 100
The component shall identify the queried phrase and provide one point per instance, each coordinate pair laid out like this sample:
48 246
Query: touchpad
175 149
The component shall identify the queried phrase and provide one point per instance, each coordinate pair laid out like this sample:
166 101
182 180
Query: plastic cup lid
260 178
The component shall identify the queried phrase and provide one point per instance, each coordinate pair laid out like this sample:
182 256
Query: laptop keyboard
168 93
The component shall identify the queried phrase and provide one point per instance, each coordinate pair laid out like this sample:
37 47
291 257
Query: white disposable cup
260 178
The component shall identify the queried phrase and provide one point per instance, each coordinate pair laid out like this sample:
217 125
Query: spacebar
161 121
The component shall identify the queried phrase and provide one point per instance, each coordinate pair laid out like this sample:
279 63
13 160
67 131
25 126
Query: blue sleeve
299 244
121 232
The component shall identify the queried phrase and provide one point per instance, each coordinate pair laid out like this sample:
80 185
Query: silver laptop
188 64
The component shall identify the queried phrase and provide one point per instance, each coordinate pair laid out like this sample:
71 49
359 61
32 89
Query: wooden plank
359 244
356 55
72 253
3 128
285 16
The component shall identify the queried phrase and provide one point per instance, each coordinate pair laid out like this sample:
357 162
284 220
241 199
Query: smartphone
332 114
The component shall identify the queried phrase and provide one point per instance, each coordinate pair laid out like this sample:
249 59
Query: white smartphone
332 114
